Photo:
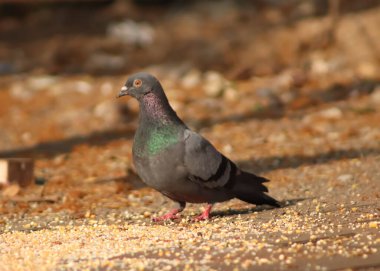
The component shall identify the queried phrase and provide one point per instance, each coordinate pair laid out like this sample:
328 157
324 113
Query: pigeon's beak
123 92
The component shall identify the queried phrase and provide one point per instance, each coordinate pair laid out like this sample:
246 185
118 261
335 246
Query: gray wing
204 163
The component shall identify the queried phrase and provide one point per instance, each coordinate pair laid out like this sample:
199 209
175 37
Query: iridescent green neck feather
159 125
160 139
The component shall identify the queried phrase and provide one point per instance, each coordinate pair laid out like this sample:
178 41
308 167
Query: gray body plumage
180 163
184 171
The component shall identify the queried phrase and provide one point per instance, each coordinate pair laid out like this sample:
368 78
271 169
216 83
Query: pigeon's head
140 84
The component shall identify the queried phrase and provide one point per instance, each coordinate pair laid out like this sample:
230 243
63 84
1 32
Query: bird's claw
169 216
165 217
201 217
205 215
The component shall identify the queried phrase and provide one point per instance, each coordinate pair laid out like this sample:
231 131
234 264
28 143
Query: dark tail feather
250 188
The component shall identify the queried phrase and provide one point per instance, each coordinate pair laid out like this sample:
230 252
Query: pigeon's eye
137 83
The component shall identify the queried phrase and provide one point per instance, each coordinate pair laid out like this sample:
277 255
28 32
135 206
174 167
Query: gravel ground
305 117
330 217
331 225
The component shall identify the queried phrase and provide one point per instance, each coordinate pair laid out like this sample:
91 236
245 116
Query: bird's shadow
256 209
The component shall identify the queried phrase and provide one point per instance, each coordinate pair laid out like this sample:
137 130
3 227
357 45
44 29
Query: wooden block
16 171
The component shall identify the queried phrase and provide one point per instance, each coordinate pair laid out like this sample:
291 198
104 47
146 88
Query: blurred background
273 84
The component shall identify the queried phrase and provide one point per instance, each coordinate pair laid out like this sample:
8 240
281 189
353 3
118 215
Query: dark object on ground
16 171
180 163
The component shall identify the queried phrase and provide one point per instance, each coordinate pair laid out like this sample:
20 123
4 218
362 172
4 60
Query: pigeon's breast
153 140
166 173
162 170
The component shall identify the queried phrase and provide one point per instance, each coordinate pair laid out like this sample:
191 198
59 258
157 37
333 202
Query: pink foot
205 215
169 216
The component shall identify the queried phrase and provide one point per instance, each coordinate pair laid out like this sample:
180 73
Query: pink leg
205 215
173 214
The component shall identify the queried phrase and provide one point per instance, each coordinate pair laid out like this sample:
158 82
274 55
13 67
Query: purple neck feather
157 108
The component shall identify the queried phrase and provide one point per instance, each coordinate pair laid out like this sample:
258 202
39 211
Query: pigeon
180 163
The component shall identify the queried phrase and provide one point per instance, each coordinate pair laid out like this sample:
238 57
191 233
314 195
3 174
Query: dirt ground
288 91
